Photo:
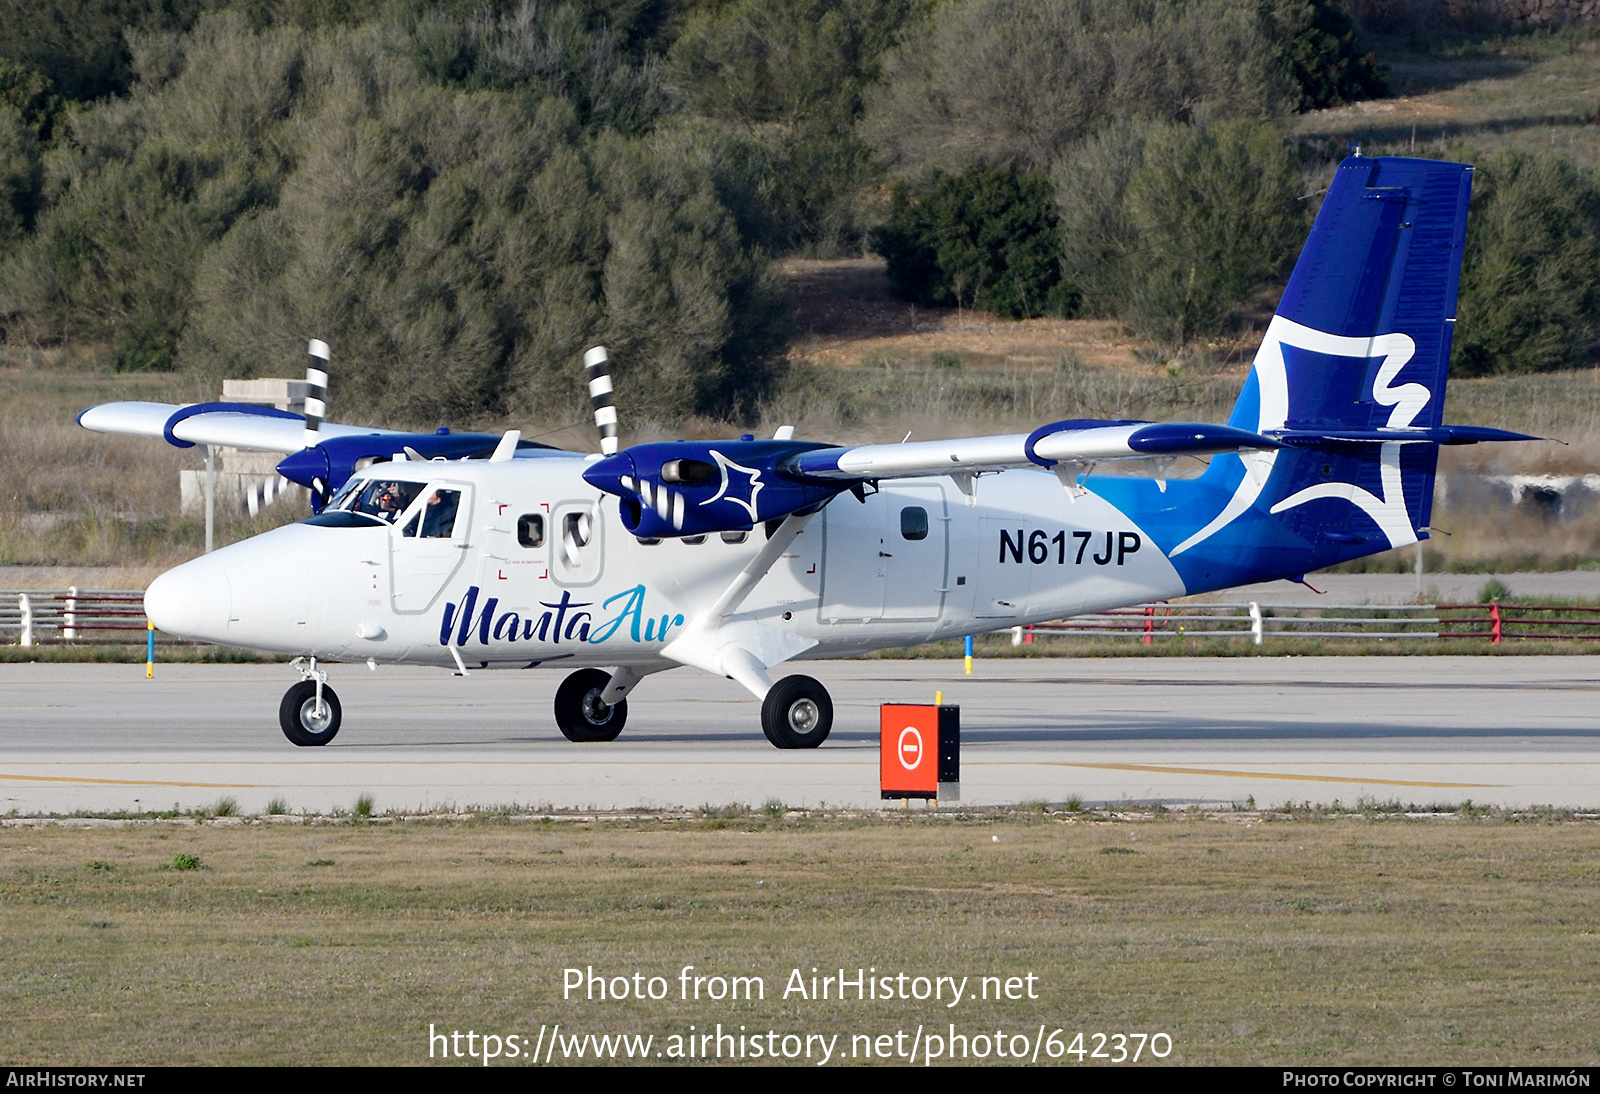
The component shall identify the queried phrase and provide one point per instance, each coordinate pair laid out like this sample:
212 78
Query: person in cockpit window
439 516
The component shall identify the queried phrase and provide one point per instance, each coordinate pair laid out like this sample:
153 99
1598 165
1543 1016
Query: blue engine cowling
690 488
325 467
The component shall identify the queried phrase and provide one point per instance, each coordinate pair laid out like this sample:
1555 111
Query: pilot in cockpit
385 500
389 504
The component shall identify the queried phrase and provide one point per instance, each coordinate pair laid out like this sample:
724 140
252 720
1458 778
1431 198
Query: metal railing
1491 622
35 617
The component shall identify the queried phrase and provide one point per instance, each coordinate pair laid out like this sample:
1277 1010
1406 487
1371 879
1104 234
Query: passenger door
427 544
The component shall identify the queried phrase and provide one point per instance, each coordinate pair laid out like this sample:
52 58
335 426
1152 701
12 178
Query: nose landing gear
310 713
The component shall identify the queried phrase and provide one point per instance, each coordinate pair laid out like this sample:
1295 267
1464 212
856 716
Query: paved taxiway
1505 730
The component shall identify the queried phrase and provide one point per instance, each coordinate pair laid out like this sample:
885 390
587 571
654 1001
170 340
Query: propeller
316 410
605 412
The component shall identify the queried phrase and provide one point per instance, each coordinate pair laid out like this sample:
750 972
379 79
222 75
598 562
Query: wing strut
742 649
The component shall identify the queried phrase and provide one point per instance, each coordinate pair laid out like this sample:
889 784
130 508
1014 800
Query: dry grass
1249 939
1483 94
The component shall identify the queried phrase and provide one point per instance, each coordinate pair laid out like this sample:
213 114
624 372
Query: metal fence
33 617
1490 622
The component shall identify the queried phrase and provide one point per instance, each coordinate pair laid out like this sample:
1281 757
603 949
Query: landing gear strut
580 712
310 713
797 713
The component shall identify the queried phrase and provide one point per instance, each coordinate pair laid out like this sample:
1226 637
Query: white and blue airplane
734 557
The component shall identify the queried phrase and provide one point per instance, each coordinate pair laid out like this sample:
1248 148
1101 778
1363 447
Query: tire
297 714
797 713
581 715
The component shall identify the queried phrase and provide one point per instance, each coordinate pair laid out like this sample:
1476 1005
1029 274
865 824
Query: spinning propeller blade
605 413
316 391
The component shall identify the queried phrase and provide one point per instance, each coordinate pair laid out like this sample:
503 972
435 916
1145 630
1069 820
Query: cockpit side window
439 514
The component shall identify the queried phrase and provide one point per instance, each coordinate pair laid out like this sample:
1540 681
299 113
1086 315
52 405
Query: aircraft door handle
884 554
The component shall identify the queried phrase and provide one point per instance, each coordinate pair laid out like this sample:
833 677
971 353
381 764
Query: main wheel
580 713
302 721
797 713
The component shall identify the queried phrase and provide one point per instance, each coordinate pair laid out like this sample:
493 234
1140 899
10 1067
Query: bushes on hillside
1171 227
789 78
457 248
1018 82
1324 56
985 238
21 175
1530 283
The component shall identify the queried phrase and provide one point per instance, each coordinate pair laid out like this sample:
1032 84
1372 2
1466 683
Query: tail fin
1351 374
1373 295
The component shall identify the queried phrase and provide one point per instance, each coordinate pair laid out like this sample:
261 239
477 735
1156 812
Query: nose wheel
580 713
797 713
307 718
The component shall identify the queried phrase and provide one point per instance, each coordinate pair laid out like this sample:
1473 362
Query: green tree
79 45
986 238
30 93
1207 215
541 50
1530 282
1325 59
1018 82
787 78
457 246
20 175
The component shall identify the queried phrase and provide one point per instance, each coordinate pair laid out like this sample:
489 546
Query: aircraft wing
237 425
1070 442
684 488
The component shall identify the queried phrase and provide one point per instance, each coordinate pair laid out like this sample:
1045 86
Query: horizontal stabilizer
1443 434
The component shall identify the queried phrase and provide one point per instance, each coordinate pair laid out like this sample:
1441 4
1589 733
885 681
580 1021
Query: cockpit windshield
385 499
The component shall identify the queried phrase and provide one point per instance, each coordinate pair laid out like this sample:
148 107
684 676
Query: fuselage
537 568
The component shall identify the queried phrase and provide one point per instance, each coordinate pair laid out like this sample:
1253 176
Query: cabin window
914 522
648 541
735 537
694 541
530 530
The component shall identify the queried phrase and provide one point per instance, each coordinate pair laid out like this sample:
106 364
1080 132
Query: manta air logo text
565 620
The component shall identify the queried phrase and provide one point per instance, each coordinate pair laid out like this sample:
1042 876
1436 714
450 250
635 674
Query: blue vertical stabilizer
1350 375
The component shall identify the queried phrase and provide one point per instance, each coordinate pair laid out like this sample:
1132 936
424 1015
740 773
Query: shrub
1530 282
1173 226
1018 82
20 176
459 246
1318 41
986 238
791 76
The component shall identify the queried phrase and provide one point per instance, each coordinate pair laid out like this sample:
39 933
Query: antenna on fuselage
595 363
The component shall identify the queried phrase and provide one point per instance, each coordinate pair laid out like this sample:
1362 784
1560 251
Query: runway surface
1506 730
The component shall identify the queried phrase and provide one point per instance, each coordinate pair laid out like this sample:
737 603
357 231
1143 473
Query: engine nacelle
690 488
325 467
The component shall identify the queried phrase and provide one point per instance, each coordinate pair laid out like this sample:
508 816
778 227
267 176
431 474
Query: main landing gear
310 711
582 714
797 713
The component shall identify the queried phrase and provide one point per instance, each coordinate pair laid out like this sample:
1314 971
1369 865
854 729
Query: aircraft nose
190 601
